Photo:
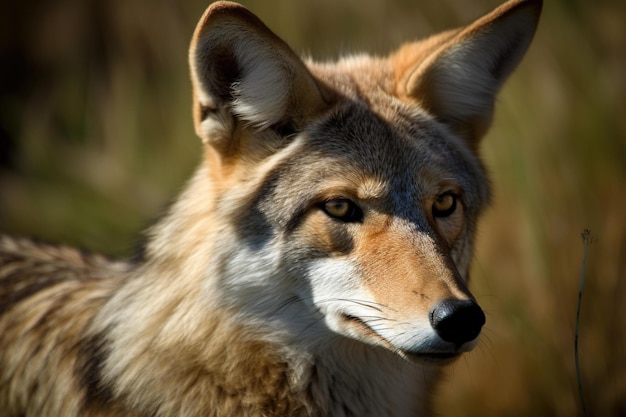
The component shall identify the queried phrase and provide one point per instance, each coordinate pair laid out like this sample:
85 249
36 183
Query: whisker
365 303
375 318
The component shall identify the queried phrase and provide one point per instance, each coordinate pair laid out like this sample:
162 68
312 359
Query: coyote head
345 195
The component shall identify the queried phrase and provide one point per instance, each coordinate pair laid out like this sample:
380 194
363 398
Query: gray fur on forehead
351 135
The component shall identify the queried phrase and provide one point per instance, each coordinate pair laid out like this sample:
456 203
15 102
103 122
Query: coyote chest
317 262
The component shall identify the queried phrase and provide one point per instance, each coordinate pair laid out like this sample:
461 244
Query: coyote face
327 232
354 187
365 221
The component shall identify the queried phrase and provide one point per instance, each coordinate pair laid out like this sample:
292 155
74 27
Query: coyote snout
456 325
427 329
401 286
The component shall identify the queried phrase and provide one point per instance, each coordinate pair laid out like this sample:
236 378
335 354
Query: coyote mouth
367 333
431 358
427 357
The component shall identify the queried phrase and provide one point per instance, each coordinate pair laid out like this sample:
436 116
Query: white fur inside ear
261 95
460 82
464 83
467 76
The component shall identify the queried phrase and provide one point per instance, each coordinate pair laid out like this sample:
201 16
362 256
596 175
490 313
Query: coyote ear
240 68
457 74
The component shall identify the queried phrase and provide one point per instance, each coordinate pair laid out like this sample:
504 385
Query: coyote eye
343 209
445 204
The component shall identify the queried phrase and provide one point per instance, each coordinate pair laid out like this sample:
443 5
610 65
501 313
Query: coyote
316 263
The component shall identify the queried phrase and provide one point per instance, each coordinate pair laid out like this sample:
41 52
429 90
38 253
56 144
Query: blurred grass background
96 136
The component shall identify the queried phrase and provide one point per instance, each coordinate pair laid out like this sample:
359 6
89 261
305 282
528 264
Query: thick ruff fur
316 264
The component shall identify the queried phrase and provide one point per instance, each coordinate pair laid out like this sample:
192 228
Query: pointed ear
242 72
456 75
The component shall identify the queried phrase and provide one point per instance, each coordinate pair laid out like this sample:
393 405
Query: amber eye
343 209
445 204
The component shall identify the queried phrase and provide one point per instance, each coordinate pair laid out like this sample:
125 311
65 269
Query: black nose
457 321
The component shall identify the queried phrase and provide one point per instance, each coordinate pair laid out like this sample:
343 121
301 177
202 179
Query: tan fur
317 262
